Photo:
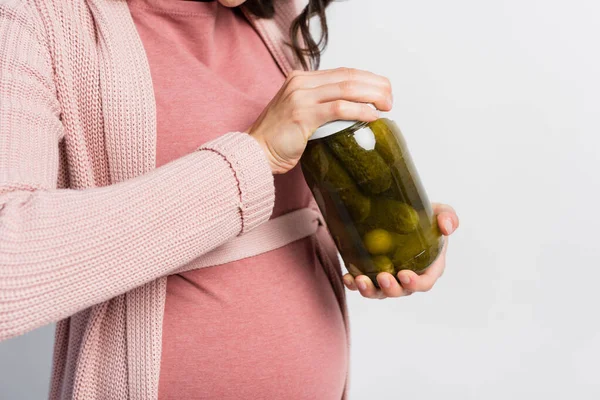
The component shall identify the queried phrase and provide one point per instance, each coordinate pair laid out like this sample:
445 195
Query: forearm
63 250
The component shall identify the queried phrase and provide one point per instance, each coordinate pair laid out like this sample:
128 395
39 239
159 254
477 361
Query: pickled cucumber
386 142
367 167
378 241
419 262
325 168
408 246
405 186
407 177
358 205
417 250
383 264
391 215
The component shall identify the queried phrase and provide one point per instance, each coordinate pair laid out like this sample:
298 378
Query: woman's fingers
447 219
447 223
440 207
355 91
367 288
390 286
349 282
344 110
284 126
312 79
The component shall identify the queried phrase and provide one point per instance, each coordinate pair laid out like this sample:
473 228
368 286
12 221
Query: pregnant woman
151 202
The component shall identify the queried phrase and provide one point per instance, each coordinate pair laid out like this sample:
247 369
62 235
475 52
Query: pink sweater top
89 227
254 328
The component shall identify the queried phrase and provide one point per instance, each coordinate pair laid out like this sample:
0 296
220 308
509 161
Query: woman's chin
231 3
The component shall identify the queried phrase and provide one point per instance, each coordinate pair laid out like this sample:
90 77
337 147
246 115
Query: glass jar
366 185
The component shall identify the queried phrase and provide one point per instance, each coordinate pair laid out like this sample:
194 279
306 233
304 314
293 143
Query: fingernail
347 282
448 226
405 279
384 282
361 285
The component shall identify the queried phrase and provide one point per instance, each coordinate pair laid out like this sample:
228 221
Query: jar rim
336 127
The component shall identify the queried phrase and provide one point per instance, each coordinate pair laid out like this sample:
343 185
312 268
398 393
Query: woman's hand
309 99
410 281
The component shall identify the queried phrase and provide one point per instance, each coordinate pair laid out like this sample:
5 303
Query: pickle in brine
417 250
383 264
379 241
325 168
405 186
386 143
408 246
392 215
367 167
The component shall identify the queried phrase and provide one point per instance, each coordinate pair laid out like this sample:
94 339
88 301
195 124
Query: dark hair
300 29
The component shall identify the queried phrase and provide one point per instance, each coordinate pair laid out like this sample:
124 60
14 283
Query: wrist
265 148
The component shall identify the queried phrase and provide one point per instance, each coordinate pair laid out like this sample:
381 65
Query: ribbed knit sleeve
62 251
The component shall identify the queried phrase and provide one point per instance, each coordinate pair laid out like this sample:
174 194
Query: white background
499 101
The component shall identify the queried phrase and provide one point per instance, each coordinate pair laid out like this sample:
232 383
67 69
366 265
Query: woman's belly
267 327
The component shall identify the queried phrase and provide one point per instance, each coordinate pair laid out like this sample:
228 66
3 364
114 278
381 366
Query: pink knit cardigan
89 228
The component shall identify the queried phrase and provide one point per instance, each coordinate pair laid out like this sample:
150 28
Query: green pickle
415 251
367 167
392 215
327 170
386 143
383 264
373 201
406 185
379 241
